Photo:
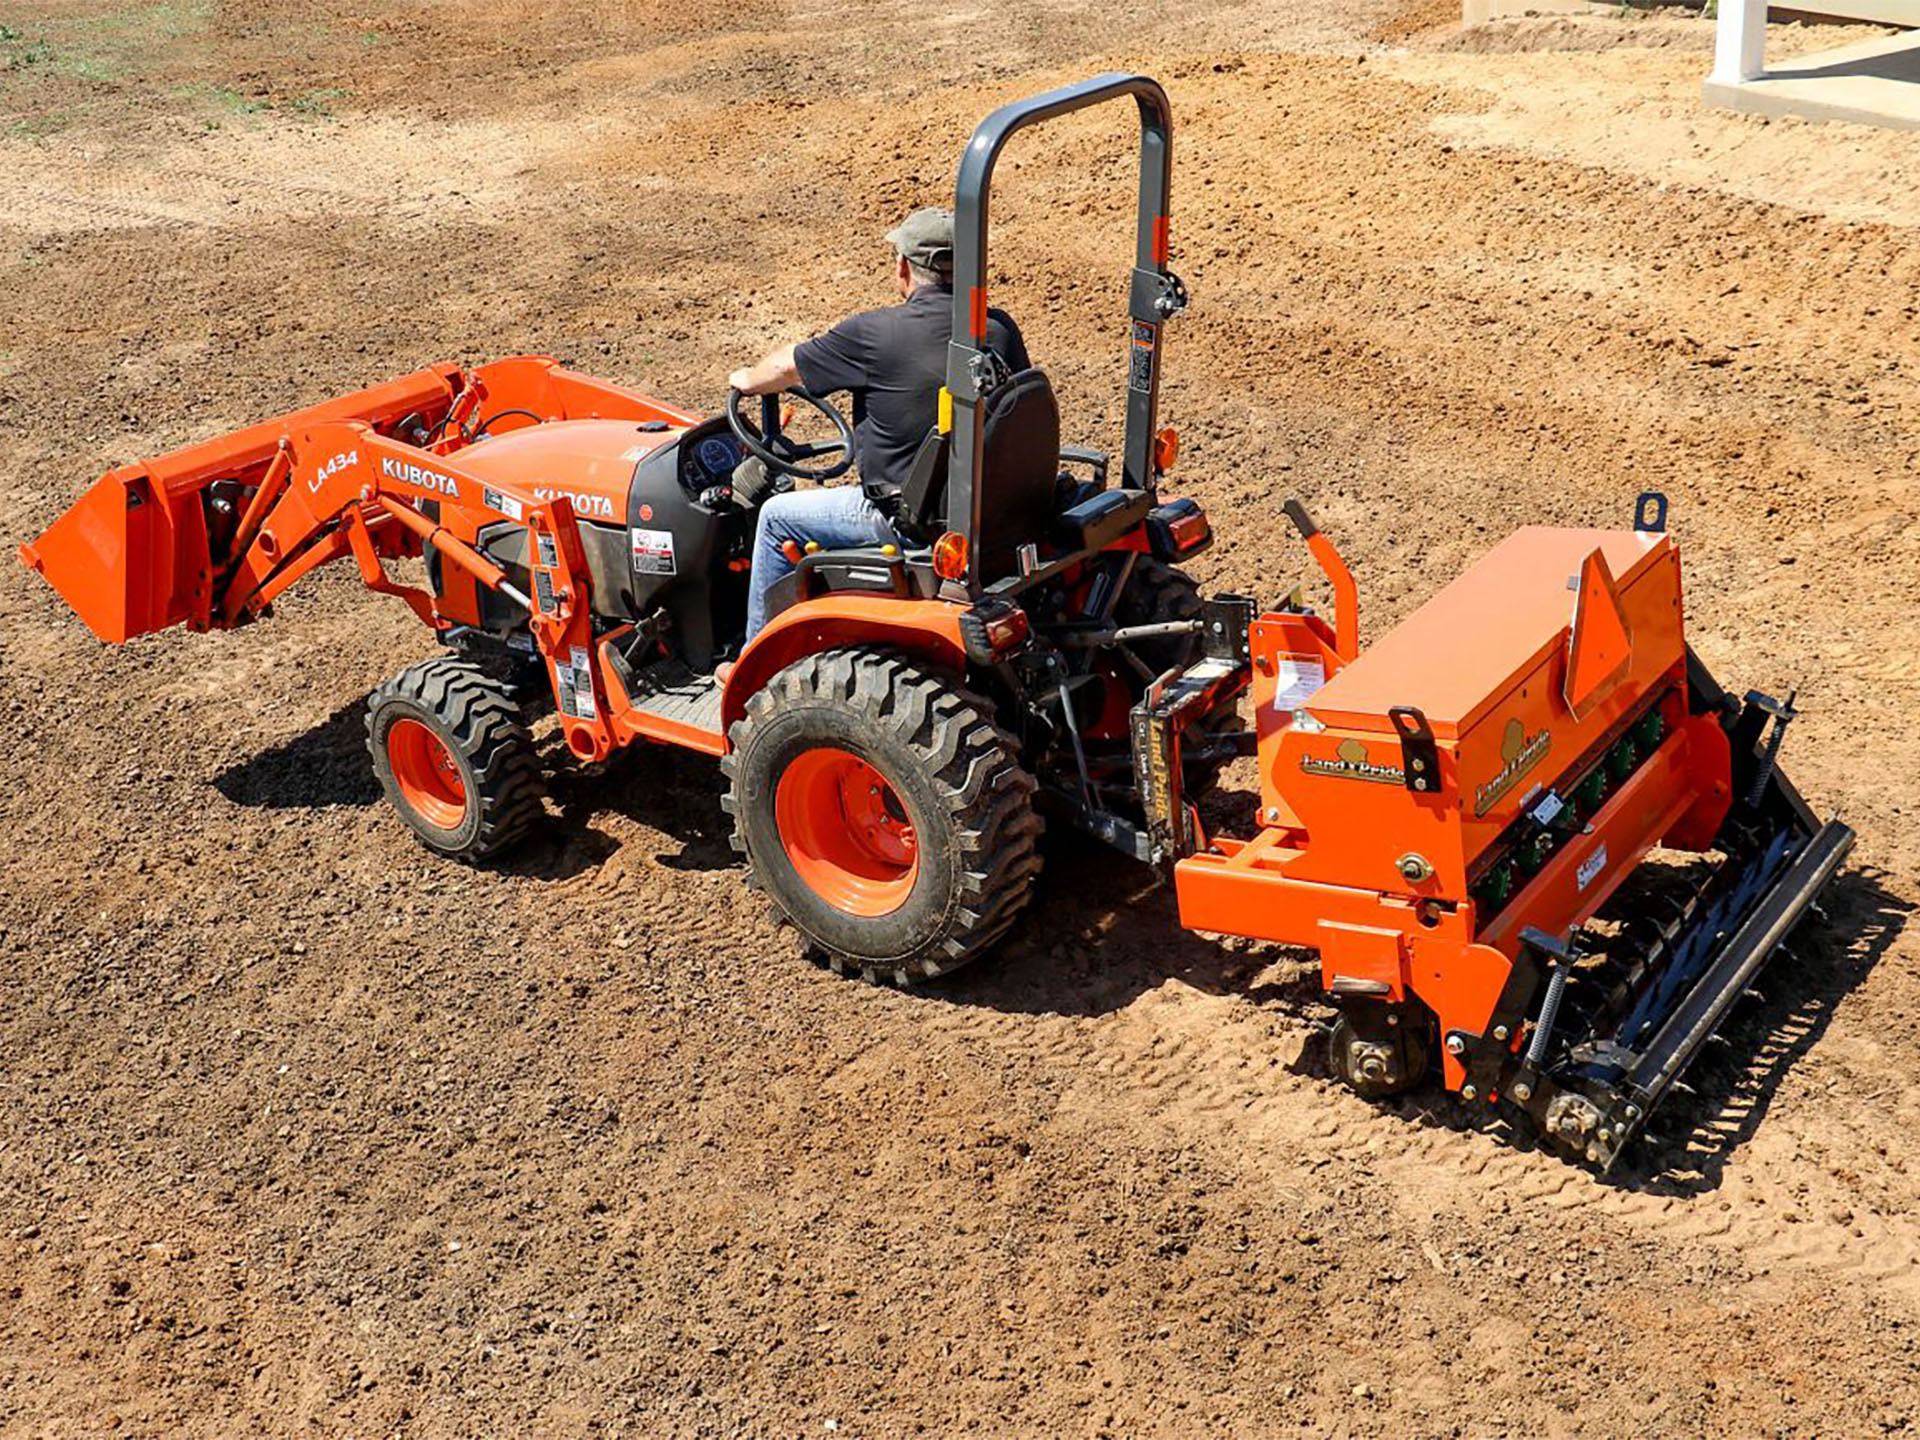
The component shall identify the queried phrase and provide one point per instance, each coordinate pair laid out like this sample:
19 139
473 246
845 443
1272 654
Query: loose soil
303 1131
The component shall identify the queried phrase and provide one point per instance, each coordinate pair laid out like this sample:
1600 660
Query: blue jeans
840 518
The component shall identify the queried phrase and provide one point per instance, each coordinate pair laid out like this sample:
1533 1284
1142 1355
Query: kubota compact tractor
1442 817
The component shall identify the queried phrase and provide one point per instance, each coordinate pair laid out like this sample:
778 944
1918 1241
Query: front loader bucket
147 546
128 558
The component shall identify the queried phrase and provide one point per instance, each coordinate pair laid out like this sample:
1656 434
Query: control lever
751 482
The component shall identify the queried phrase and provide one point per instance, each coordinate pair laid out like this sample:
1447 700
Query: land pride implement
1449 818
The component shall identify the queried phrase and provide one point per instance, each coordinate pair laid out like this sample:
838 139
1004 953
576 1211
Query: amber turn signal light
1166 448
950 556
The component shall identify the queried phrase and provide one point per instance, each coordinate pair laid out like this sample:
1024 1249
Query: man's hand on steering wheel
768 443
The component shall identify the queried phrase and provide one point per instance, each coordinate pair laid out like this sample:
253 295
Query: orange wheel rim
427 774
846 833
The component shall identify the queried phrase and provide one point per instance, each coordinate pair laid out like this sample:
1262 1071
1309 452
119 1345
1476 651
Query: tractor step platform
675 695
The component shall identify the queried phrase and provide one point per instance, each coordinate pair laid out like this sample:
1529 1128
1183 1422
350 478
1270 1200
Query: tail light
1166 449
1178 529
993 630
950 556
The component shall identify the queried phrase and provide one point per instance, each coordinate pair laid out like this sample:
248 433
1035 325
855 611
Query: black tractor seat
1021 467
1030 501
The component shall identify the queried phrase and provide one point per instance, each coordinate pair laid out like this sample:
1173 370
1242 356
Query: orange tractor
1442 817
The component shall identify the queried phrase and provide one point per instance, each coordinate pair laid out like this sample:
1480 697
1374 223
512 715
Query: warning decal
582 684
575 691
505 504
1140 366
652 552
1591 866
1297 678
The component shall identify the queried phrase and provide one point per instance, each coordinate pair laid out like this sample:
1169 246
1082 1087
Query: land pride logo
1519 752
1350 762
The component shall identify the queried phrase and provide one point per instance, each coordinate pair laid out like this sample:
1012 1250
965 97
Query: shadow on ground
673 791
1102 931
321 767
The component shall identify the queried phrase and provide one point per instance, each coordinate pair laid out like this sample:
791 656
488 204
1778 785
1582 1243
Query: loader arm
209 536
349 490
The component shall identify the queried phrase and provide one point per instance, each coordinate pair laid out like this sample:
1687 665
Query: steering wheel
767 444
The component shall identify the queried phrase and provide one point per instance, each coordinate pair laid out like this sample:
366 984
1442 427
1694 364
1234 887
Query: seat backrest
923 494
1019 469
1020 465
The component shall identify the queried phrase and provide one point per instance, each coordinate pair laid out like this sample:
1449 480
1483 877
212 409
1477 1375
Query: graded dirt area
302 1131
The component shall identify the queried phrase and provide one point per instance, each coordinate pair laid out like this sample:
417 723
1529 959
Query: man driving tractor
893 361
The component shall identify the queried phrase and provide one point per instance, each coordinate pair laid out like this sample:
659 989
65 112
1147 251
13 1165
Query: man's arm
774 373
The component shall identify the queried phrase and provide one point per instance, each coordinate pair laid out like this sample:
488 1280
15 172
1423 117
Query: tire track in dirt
1222 1070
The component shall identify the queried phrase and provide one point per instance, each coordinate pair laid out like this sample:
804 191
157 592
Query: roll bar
1155 294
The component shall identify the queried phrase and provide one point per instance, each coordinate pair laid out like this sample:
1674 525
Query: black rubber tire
475 717
956 774
1156 593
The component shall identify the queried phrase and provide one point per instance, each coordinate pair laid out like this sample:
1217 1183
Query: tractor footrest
675 693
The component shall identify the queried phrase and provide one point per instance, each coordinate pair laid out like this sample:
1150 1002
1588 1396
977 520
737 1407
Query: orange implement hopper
1445 812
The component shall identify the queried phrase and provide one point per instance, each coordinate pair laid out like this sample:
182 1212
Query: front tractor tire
451 749
884 813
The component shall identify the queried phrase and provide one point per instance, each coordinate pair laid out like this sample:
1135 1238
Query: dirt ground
302 1131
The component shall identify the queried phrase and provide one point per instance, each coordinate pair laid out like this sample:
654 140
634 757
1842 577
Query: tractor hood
591 462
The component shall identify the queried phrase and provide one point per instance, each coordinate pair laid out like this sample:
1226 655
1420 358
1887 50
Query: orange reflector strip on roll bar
977 300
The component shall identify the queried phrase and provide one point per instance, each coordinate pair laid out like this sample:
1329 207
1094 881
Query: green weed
316 103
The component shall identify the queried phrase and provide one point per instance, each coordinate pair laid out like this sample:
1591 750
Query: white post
1739 42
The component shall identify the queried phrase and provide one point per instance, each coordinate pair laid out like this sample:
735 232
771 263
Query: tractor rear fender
926 629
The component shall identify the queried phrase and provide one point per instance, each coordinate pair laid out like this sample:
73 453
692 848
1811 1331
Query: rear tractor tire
1157 593
451 749
884 813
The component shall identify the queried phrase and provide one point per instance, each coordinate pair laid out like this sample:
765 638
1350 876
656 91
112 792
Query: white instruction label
505 504
1591 866
582 684
652 552
1297 678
